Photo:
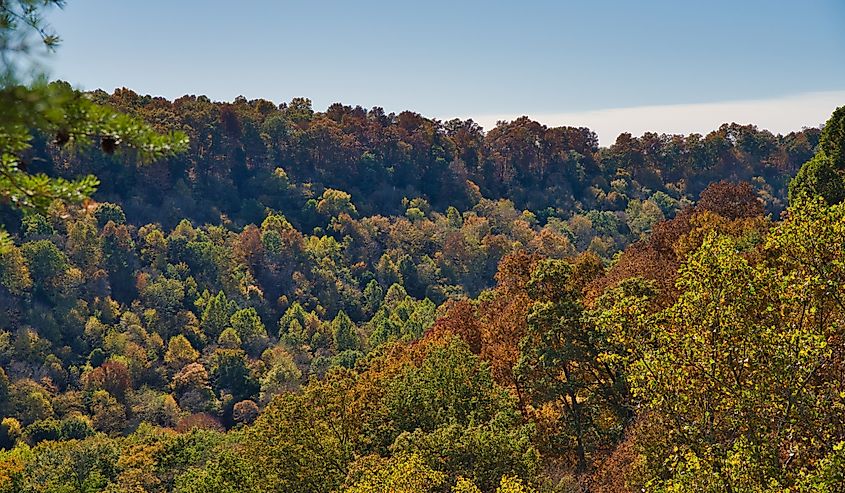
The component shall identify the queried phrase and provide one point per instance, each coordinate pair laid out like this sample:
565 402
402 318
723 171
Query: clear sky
674 66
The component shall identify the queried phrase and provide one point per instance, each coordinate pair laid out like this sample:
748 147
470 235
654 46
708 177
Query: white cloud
778 115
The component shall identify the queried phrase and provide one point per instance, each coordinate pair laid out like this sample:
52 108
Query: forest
203 296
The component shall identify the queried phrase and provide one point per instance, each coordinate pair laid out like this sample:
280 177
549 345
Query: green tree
824 174
511 484
29 402
83 245
230 373
248 325
283 375
166 297
345 333
561 363
450 385
305 442
449 402
35 225
14 273
832 140
87 465
818 177
106 212
373 294
739 369
47 264
480 452
229 339
216 314
227 470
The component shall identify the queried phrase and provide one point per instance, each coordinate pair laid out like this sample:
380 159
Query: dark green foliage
35 225
73 427
231 374
46 262
561 363
818 177
109 212
832 140
346 358
216 314
344 333
97 357
451 386
248 325
824 174
47 429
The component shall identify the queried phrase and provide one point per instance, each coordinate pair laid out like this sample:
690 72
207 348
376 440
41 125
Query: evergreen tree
216 315
344 333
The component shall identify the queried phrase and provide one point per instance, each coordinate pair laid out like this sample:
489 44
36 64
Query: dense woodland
664 342
199 296
247 156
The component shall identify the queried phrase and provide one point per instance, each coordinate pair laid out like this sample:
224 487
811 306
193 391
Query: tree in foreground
57 112
741 388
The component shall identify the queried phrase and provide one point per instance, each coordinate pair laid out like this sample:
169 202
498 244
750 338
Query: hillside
349 300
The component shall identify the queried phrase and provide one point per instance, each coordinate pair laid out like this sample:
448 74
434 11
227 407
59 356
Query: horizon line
779 115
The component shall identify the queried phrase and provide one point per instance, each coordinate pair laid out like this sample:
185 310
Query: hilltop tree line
247 156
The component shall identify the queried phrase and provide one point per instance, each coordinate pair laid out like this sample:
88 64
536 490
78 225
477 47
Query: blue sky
552 59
